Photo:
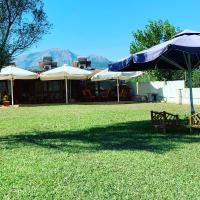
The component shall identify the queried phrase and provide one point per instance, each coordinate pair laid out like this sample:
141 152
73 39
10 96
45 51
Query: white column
137 88
179 94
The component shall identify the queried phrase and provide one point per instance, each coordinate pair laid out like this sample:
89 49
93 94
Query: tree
155 32
22 24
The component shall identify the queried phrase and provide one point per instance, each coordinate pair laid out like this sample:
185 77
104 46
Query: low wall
171 91
185 95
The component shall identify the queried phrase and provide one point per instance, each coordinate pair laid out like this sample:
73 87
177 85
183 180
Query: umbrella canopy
65 73
172 54
180 53
11 73
109 75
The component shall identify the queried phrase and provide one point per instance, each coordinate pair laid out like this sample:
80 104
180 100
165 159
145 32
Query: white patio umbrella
11 73
65 73
111 75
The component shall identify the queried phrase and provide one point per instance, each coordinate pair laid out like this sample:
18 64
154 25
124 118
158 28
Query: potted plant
6 101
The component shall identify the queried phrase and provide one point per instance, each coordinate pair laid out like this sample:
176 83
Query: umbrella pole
190 84
118 90
66 93
12 96
70 84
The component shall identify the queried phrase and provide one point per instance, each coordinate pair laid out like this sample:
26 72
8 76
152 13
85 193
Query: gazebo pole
12 96
190 84
66 93
117 90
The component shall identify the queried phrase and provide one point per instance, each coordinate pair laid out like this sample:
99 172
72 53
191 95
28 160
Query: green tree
195 78
155 32
22 23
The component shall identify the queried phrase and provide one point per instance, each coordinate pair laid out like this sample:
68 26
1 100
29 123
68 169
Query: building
82 63
47 63
37 91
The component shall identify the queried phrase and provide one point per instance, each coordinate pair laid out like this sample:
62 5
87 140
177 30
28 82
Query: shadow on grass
134 136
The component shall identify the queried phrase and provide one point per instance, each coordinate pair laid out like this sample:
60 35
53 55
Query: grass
96 152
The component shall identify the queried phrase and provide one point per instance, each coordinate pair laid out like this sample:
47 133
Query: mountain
98 61
59 55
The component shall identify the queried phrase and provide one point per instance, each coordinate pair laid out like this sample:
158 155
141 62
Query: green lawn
96 152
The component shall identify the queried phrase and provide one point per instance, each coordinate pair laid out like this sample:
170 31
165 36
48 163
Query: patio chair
124 93
106 95
164 120
87 95
194 121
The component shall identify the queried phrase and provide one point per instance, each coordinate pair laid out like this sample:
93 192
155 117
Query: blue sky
104 27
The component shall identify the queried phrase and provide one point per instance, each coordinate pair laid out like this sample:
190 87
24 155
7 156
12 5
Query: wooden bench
194 121
164 120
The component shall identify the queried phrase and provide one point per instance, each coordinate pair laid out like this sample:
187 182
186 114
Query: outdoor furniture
66 73
152 97
12 73
140 98
164 120
124 93
87 95
106 95
179 53
118 76
194 121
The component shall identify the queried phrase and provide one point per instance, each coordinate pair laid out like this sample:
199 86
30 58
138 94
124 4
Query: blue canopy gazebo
180 53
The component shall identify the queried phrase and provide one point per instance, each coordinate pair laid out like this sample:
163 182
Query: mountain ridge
62 56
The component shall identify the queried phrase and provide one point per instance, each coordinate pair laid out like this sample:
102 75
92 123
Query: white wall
185 95
172 91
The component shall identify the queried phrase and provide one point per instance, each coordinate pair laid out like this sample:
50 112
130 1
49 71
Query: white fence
171 91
